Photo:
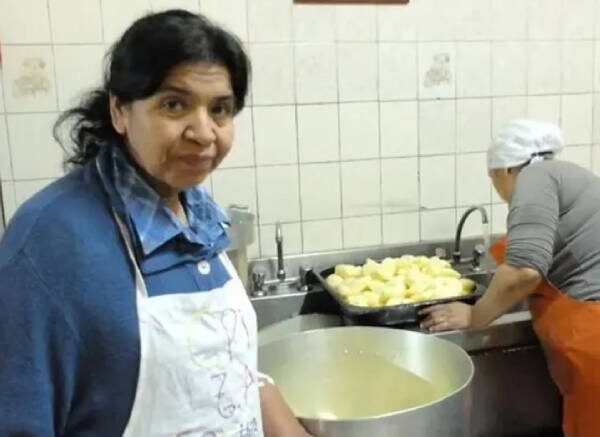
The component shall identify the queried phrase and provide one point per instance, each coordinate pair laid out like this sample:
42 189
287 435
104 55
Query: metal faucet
456 255
279 241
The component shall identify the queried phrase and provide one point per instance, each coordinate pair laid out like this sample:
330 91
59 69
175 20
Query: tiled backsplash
366 124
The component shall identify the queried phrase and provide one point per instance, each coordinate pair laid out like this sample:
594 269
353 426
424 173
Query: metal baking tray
402 314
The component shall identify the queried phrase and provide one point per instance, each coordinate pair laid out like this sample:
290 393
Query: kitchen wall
366 124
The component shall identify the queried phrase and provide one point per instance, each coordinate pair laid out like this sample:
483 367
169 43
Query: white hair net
521 142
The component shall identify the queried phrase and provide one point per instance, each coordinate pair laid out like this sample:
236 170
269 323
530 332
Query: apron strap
140 285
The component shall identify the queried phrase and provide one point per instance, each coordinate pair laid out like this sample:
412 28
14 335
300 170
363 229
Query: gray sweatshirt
554 226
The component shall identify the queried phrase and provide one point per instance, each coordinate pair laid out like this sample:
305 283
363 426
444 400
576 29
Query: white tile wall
318 133
473 69
316 81
401 228
509 71
359 130
322 235
275 135
397 71
437 127
5 161
320 191
361 188
24 22
86 60
278 194
362 231
87 28
273 68
438 181
367 124
313 23
357 71
356 23
400 185
399 128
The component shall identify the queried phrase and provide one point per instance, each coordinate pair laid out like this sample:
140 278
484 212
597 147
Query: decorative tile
437 77
29 83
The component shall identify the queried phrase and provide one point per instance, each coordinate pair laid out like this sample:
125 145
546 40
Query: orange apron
569 331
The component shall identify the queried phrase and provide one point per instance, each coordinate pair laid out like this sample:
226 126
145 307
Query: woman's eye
222 110
173 105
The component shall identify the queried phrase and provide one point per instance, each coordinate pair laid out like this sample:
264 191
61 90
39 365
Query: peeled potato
334 280
468 285
347 271
385 272
370 267
396 281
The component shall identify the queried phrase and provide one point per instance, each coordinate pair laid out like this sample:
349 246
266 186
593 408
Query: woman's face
503 180
182 132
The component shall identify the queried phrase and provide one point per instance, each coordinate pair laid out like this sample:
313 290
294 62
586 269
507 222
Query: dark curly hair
137 65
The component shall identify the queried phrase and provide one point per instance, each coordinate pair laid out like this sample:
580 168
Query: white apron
198 361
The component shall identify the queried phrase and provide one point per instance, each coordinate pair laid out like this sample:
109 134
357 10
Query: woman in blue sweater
121 315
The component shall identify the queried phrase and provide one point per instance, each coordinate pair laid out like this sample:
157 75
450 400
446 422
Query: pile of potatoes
396 281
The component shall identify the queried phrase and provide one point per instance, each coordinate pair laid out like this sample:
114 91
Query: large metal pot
311 357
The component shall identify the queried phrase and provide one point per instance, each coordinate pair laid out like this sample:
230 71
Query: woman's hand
445 317
278 419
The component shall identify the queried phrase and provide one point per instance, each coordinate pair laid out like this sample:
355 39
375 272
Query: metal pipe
484 219
279 241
